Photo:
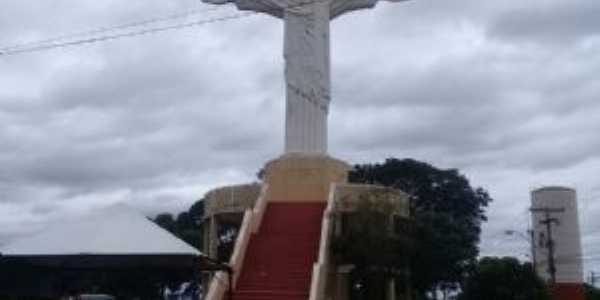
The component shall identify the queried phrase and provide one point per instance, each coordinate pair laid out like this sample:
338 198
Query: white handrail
259 208
241 245
250 224
320 268
324 243
218 286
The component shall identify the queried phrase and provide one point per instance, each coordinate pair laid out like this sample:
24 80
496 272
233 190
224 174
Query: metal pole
550 243
532 245
548 221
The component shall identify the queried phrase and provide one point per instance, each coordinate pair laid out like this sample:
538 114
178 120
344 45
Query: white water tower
558 207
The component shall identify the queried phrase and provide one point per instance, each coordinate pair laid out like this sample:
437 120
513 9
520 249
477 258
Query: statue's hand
271 7
217 1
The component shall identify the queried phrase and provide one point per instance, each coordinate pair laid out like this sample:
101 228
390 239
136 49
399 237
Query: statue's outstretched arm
271 7
340 7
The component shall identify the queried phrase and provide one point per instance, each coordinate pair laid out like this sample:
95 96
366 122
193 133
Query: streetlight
529 239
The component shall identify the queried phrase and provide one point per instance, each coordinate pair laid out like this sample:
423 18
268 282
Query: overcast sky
506 91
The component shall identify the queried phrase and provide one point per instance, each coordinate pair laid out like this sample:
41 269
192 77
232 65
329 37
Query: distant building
555 222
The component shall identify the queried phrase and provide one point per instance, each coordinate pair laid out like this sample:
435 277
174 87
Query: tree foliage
186 225
369 243
166 221
504 279
447 214
592 293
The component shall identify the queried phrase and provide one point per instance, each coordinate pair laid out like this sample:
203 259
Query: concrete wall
347 197
303 178
233 198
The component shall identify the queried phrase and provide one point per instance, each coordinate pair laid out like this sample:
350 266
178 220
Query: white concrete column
307 74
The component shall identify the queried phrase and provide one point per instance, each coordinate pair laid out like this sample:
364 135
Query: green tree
504 279
187 225
592 293
369 242
447 214
188 229
166 221
196 211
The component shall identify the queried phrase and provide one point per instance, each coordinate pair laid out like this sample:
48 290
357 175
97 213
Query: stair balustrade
321 267
251 222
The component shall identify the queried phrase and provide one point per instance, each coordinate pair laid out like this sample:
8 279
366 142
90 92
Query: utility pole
593 278
531 233
548 221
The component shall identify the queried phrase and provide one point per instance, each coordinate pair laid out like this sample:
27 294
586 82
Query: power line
112 28
592 279
49 43
91 40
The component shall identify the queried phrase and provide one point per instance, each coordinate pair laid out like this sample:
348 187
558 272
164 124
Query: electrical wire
53 43
91 40
114 28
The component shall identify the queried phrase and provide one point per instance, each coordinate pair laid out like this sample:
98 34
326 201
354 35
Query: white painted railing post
259 208
250 224
320 268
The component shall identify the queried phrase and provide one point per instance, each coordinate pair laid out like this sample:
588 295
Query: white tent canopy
102 249
116 230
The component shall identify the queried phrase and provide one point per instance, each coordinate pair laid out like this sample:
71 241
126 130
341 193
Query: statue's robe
307 64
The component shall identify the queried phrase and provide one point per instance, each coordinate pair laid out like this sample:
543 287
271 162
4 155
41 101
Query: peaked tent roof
116 230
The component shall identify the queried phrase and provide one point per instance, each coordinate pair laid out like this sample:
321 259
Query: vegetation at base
369 241
503 279
591 292
447 214
187 225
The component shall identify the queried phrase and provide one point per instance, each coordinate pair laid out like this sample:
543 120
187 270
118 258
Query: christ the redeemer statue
307 64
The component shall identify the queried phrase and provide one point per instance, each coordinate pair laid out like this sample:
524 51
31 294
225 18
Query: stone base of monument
303 177
296 178
296 189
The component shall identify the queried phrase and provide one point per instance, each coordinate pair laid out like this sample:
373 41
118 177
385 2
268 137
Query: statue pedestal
303 177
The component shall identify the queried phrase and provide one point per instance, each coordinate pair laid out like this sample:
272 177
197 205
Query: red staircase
279 259
568 291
